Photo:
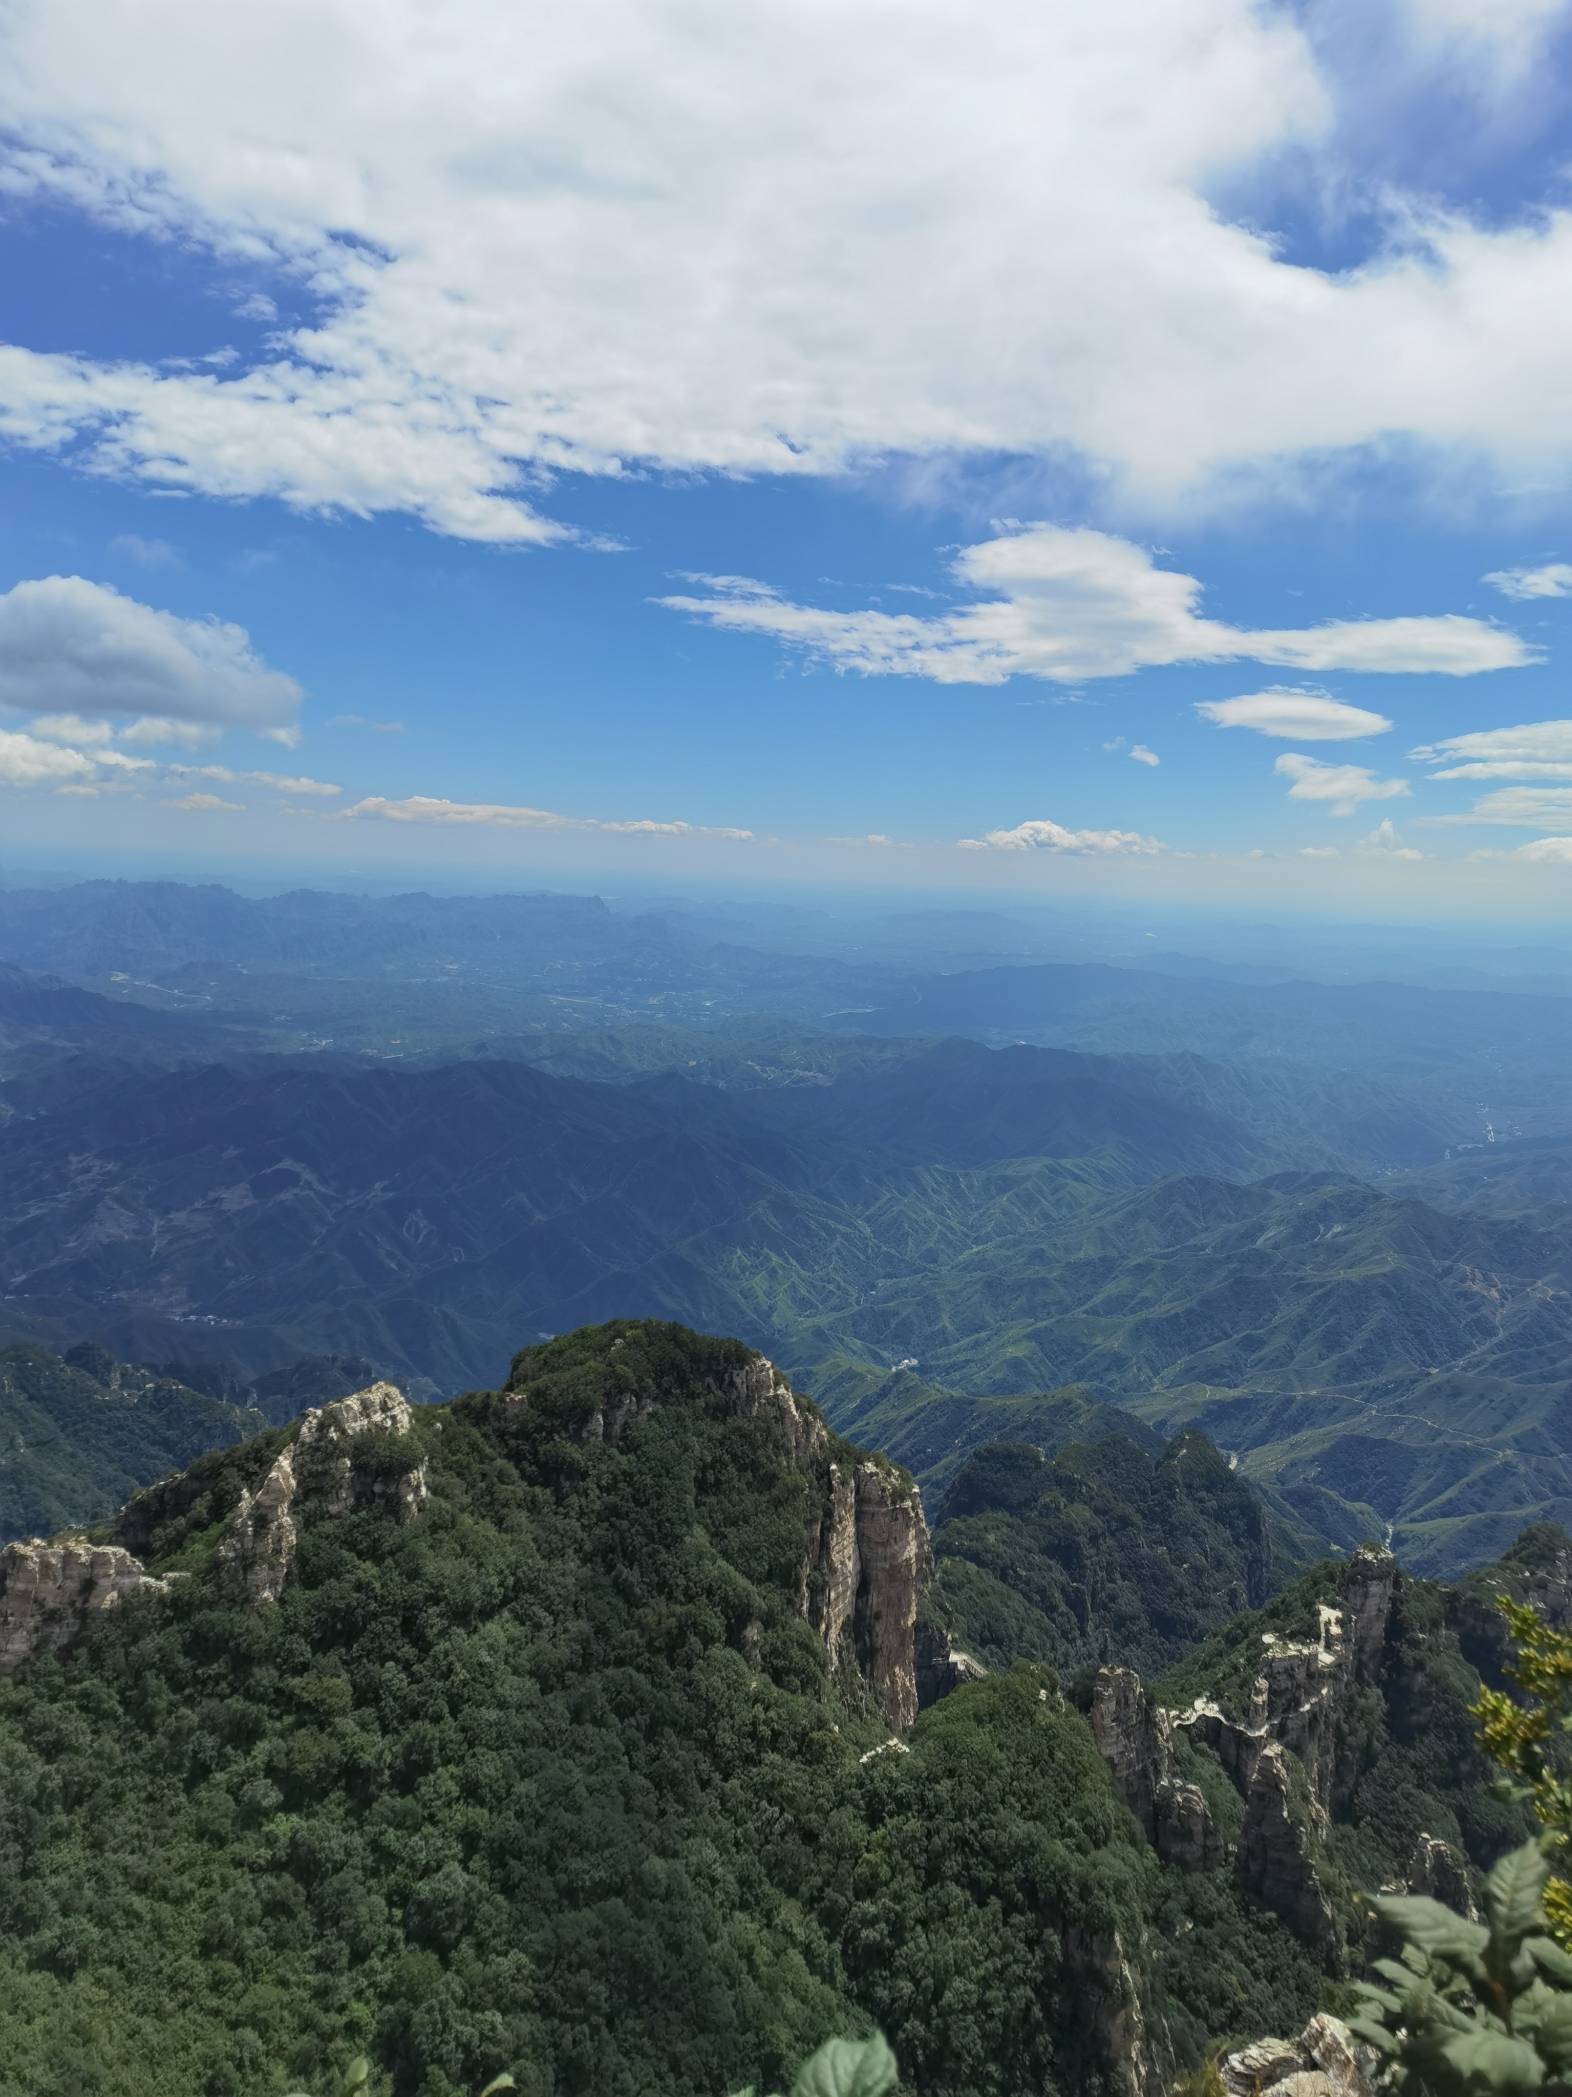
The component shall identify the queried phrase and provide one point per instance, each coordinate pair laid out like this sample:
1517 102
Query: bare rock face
1436 1869
317 1472
325 1471
892 1553
942 1666
1135 1737
1283 1759
1279 1848
866 1547
1134 2046
51 1595
258 1548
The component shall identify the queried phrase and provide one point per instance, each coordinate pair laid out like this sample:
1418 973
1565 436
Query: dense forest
547 1740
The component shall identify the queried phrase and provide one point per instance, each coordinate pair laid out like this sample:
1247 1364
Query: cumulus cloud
1341 787
1384 843
1534 750
609 236
1045 836
71 646
1295 714
70 728
1554 579
30 760
1143 756
151 729
1553 851
1068 604
424 808
204 804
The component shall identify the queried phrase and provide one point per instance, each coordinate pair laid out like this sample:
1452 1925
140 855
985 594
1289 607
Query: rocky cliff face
1135 1737
866 1548
1284 1757
1437 1870
942 1666
51 1595
318 1472
1134 2046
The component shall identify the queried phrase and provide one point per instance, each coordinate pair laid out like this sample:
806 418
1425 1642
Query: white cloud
1533 750
1341 787
147 553
27 760
1519 807
877 838
364 721
1143 756
151 729
256 305
1554 579
70 728
1294 714
760 240
204 804
424 808
1555 851
1044 836
1067 604
1320 852
1384 843
280 782
71 646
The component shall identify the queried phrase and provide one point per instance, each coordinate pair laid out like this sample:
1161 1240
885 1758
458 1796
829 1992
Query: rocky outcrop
1135 1737
1436 1869
319 1473
257 1550
942 1666
890 1543
1278 1856
323 1455
1284 1757
1326 2060
51 1595
866 1547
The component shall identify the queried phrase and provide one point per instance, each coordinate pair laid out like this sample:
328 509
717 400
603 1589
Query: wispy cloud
280 782
1533 750
365 721
1067 605
424 808
146 553
205 804
1519 807
1554 579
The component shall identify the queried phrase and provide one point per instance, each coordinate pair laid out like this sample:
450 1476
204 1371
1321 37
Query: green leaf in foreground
847 2068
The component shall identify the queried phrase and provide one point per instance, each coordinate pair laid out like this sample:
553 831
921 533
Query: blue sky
1067 458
